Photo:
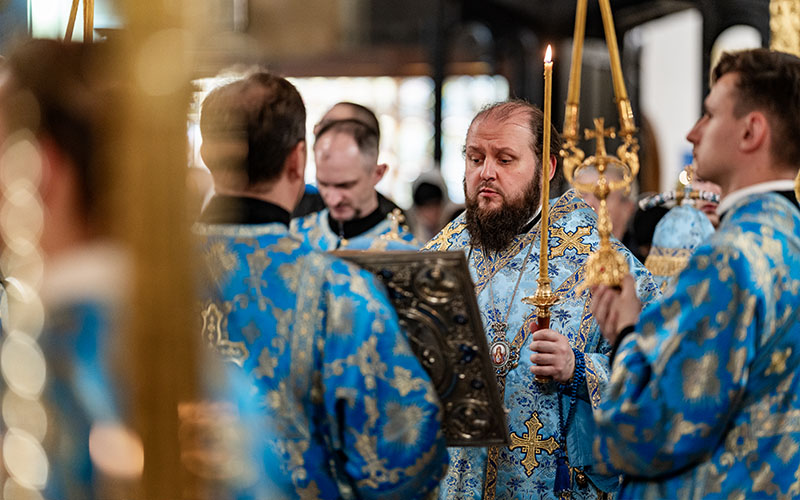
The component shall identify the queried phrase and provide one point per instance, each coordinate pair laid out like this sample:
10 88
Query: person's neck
279 195
371 206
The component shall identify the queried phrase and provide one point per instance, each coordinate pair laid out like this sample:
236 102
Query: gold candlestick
544 298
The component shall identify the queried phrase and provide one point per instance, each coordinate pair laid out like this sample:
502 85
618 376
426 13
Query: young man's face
346 178
716 133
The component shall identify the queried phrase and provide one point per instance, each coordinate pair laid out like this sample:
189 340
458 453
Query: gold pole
626 125
163 340
88 20
73 14
574 92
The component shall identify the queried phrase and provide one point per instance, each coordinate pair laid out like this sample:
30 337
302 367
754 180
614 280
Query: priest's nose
489 170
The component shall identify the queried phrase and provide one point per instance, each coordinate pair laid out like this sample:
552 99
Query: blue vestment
90 444
703 400
527 468
355 413
315 230
675 238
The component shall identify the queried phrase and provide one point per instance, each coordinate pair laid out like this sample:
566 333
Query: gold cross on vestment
531 443
599 134
569 240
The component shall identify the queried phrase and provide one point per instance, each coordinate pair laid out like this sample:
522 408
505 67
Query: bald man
356 217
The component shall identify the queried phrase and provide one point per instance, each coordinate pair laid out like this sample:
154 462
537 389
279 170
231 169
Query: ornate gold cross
396 218
570 240
599 134
531 443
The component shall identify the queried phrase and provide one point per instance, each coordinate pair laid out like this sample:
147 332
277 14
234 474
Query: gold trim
660 264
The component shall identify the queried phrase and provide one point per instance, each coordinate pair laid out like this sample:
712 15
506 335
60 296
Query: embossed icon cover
434 297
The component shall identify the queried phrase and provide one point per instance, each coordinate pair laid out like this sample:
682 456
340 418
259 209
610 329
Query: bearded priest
549 403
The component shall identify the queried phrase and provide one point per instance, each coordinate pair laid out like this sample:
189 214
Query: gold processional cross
599 134
531 443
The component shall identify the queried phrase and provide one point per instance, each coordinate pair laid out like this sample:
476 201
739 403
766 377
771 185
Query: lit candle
613 51
574 92
545 222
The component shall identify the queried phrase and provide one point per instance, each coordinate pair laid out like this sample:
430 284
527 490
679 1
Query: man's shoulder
571 210
452 237
309 221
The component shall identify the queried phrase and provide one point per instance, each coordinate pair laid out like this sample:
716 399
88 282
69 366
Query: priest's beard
494 229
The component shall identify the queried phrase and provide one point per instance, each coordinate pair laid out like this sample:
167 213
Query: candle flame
548 56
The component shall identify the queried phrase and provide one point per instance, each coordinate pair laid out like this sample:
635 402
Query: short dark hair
360 123
68 92
768 81
503 110
262 111
365 136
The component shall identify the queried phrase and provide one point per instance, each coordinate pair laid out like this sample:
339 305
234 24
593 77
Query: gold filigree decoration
667 263
440 242
212 442
777 364
570 240
215 331
699 380
531 443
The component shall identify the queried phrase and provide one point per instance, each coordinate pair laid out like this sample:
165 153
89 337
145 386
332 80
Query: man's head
346 155
254 136
751 121
64 95
502 180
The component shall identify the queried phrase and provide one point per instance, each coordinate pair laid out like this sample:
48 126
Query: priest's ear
380 171
295 164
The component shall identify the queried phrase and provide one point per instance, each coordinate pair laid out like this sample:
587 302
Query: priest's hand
615 309
552 355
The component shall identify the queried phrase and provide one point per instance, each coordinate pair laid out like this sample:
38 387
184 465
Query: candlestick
548 88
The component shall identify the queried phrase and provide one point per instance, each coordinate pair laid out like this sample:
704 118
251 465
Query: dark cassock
355 414
703 398
527 468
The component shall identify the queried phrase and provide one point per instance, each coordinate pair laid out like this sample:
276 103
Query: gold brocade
531 443
661 262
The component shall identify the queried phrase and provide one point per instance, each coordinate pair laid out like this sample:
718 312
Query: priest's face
716 133
346 177
502 178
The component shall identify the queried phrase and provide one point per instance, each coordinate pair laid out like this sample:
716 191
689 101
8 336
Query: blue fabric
84 391
354 412
675 238
314 230
573 236
703 401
